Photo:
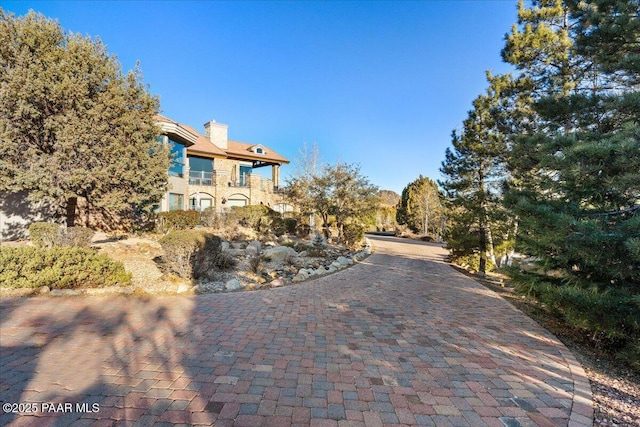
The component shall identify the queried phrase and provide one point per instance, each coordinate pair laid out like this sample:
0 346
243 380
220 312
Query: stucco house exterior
210 171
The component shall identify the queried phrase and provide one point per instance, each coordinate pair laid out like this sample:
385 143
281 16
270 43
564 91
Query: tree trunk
482 270
492 255
72 204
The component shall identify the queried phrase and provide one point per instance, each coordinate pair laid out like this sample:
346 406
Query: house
207 171
210 171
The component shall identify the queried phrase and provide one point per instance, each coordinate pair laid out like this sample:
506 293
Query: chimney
217 133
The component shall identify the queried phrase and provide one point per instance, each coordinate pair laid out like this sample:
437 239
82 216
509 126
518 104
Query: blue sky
381 84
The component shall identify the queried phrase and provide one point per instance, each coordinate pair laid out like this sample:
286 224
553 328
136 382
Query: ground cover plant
59 268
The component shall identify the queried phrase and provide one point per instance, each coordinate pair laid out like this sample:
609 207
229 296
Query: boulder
253 248
233 285
302 275
344 261
277 283
279 253
183 288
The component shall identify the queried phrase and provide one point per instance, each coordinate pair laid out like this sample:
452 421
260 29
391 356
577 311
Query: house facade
207 171
210 171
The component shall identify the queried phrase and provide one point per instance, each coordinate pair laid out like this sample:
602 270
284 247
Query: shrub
352 234
609 319
75 236
278 226
317 246
44 234
48 235
290 225
209 218
192 254
59 268
259 217
471 262
177 220
303 230
256 264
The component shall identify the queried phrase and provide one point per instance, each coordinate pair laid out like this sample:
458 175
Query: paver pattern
398 339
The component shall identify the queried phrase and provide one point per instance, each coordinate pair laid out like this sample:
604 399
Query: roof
204 147
242 150
185 134
200 145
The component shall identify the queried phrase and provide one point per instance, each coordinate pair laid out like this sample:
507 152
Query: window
200 171
176 201
259 150
178 158
205 202
244 171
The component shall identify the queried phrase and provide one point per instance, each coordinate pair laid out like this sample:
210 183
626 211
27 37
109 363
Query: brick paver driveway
399 339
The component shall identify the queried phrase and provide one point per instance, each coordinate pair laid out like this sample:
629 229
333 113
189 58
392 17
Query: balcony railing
200 178
241 183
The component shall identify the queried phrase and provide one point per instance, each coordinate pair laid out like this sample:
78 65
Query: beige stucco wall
17 213
177 185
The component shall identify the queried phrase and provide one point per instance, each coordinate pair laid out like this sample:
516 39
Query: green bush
471 262
48 235
261 218
303 230
44 234
75 236
609 318
59 268
177 220
192 254
352 234
317 246
290 225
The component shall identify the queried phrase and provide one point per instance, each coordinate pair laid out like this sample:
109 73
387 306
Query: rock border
234 284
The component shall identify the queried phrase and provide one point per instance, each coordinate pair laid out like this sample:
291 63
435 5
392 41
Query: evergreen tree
420 207
73 127
473 170
576 182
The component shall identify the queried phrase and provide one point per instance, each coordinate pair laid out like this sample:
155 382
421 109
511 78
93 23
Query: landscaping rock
277 283
64 292
233 285
302 275
280 253
183 288
344 261
253 248
235 252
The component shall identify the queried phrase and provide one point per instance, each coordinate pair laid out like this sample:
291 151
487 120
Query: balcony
242 183
200 178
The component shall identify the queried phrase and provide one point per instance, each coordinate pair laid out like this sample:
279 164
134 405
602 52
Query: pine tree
73 127
575 180
473 170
